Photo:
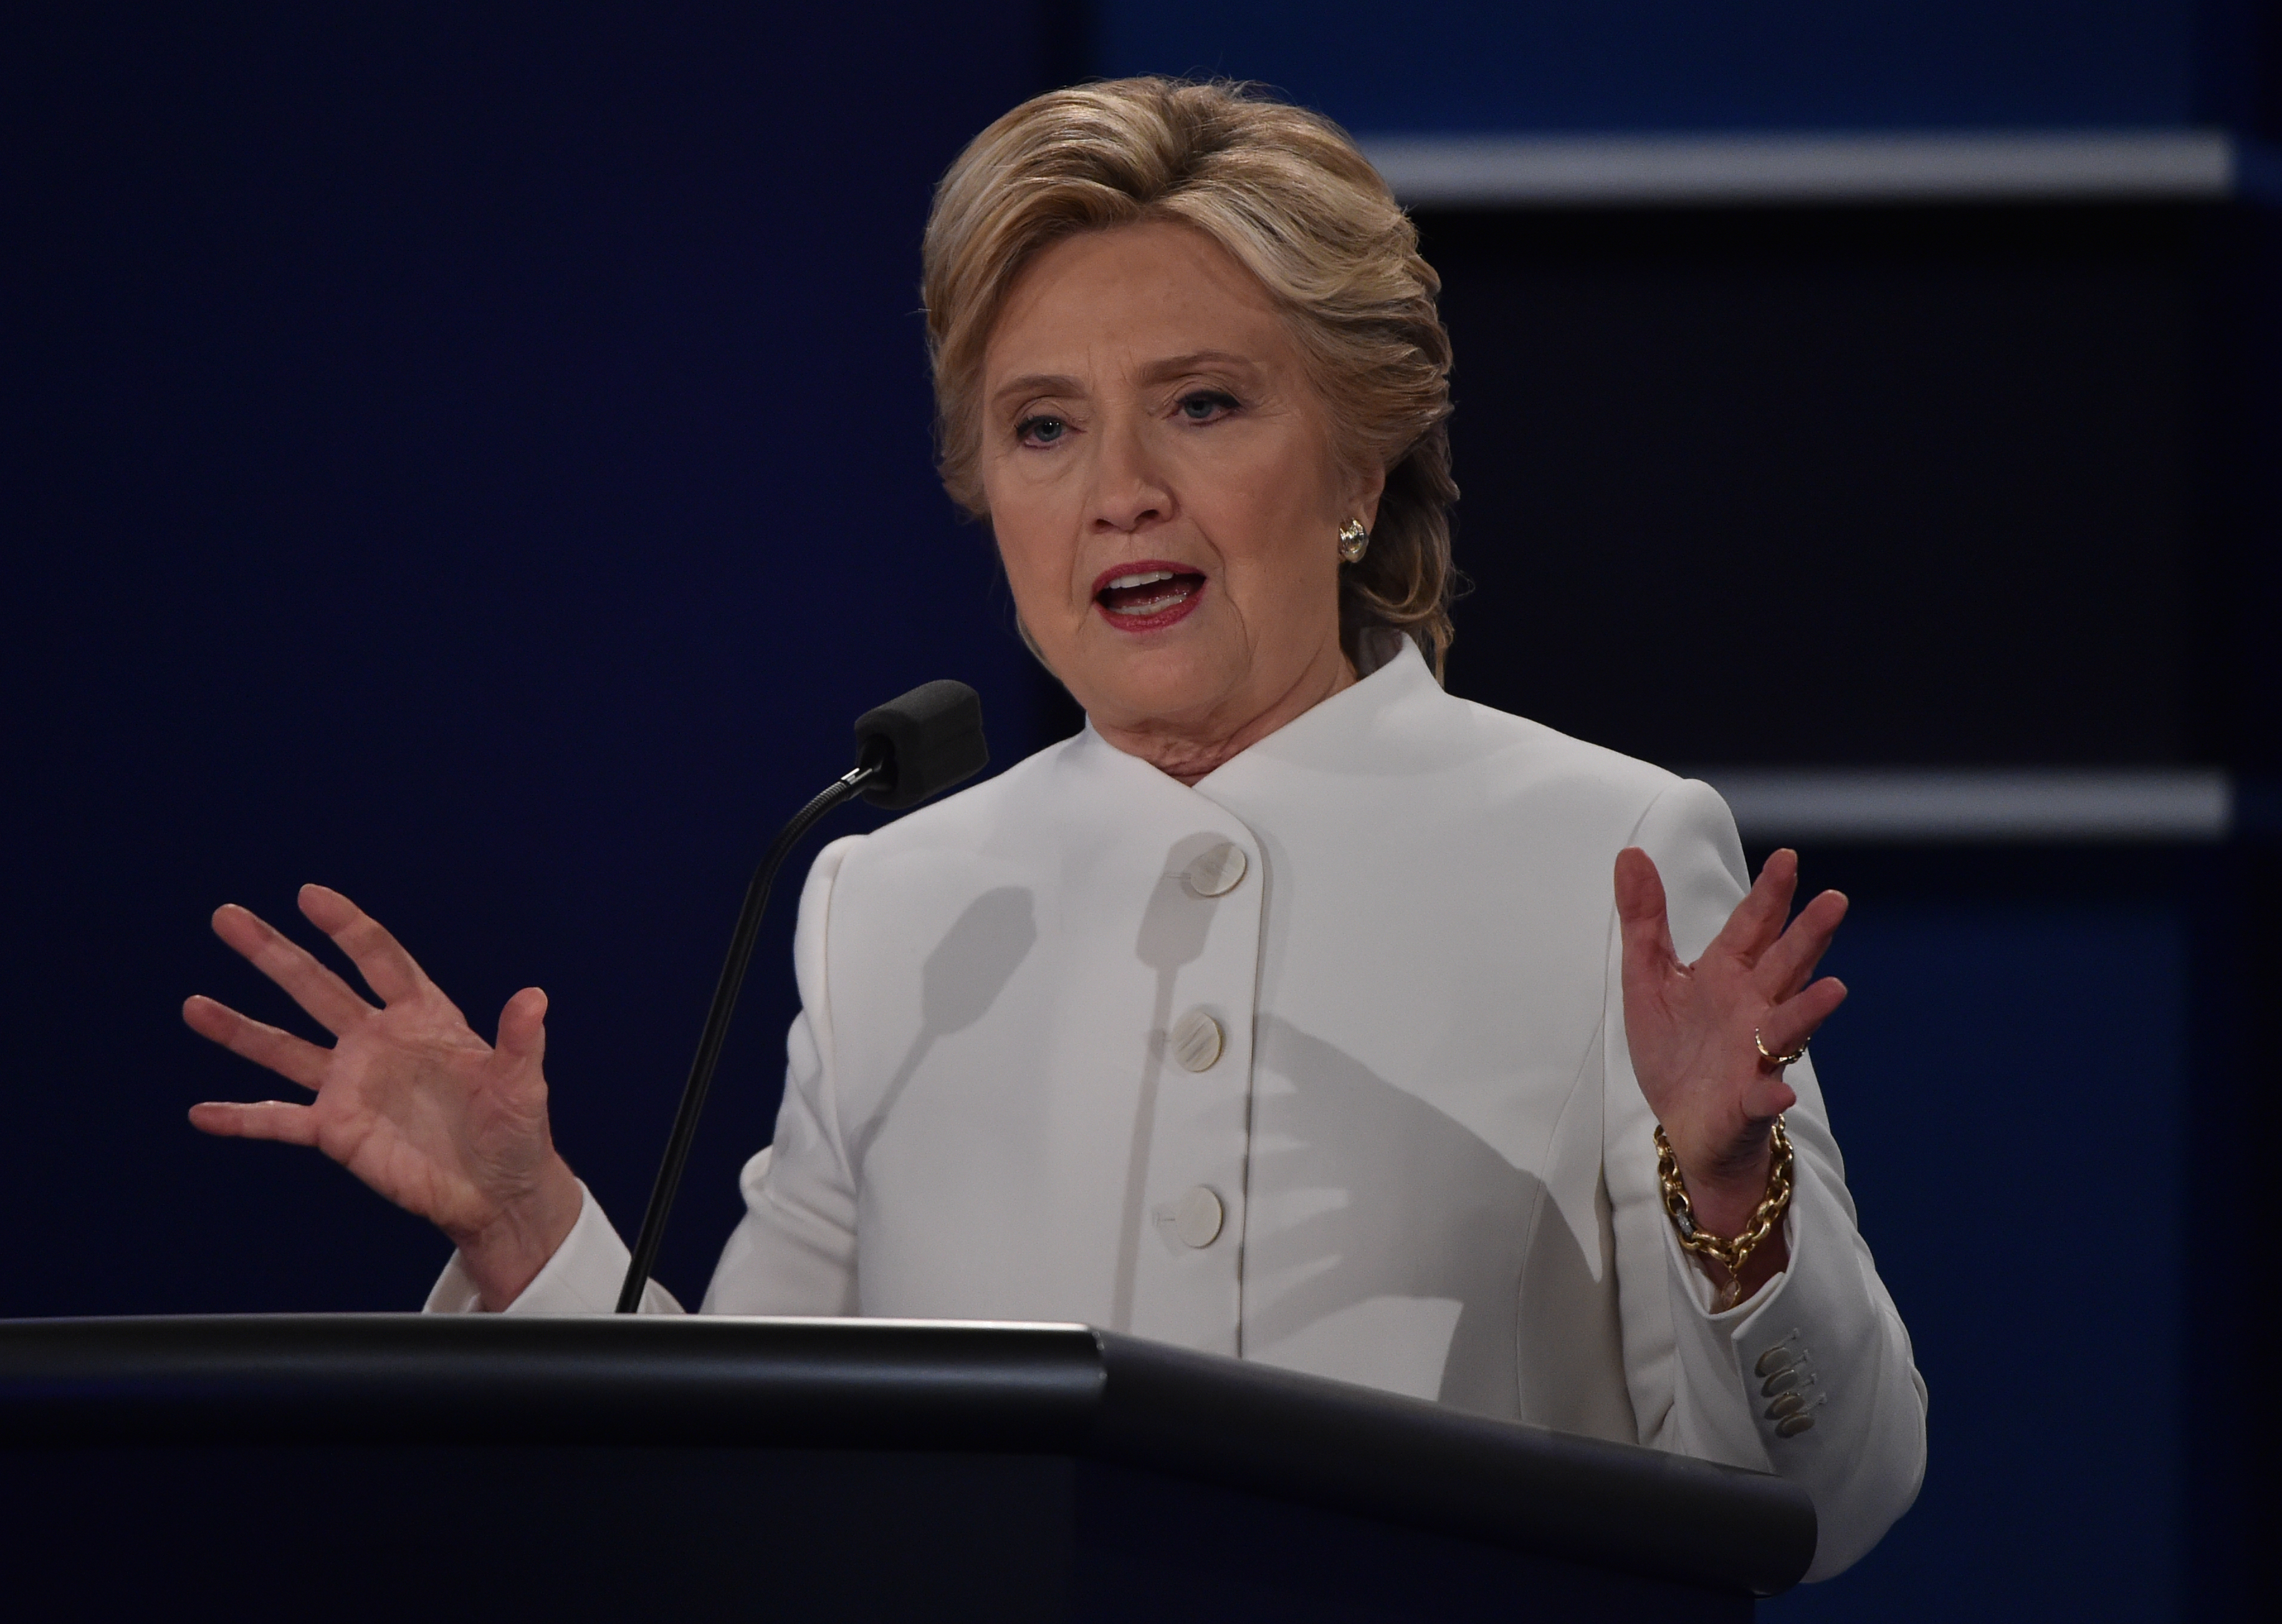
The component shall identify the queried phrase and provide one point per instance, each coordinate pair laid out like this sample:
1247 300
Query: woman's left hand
1693 1031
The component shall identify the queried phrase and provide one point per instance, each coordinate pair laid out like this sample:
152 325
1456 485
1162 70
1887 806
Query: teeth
1145 578
1150 605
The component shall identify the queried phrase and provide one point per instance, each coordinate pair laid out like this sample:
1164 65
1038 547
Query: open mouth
1142 597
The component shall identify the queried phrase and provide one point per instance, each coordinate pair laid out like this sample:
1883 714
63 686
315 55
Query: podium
417 1468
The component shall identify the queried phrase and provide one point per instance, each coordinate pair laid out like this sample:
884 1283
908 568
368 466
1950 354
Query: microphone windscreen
924 742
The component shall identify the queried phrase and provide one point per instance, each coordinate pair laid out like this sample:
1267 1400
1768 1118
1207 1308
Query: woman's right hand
408 1098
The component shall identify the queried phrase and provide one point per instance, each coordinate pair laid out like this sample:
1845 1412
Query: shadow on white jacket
1322 1063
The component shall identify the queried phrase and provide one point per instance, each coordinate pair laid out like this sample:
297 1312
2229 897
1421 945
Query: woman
1286 1012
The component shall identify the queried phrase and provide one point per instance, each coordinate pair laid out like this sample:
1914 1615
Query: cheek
1034 548
1275 511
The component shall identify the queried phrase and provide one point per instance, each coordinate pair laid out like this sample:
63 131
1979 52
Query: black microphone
906 751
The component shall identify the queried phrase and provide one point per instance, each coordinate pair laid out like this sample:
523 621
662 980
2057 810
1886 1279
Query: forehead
1132 293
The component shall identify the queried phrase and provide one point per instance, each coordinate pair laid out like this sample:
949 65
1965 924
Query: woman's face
1160 476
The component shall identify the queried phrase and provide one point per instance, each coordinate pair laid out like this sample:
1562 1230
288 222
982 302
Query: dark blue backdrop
1638 64
478 458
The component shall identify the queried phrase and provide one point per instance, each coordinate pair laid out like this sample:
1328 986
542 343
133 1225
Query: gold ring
1792 1058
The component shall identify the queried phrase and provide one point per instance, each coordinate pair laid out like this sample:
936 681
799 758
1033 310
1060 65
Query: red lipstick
1148 594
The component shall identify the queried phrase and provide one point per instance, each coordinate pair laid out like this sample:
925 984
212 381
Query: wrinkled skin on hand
1691 1029
408 1097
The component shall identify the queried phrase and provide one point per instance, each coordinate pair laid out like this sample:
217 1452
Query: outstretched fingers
294 1058
1786 1027
1758 918
379 957
522 1027
1642 914
1767 1096
1784 969
330 1001
260 1119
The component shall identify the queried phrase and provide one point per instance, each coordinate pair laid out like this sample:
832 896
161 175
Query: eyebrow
1037 384
1173 366
1156 372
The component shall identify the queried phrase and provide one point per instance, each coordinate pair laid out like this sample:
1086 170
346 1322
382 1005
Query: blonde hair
1285 193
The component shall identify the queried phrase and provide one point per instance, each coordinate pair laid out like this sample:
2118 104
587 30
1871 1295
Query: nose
1129 493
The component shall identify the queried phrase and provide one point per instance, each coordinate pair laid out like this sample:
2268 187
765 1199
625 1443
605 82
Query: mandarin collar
1326 733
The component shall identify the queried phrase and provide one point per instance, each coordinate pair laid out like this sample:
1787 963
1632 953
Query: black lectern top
899 1385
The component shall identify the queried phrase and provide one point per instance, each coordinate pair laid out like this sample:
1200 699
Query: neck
1188 752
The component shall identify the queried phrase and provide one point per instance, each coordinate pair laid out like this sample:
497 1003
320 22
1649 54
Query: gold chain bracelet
1731 1254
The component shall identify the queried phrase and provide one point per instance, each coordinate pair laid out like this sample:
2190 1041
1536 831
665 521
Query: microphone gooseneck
716 1030
908 750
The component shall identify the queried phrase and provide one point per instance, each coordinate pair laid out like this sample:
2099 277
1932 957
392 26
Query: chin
1132 687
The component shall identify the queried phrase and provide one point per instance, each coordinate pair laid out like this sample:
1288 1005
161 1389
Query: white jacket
1418 1161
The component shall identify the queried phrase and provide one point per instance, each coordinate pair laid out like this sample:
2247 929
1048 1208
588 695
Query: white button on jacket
1198 1219
1430 1165
1198 1041
1218 871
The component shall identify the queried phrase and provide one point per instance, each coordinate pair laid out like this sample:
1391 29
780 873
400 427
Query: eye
1040 431
1206 405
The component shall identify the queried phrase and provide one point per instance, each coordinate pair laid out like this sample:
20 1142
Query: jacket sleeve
1693 1375
795 1251
582 1278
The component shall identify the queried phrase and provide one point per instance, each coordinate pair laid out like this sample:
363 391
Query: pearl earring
1354 540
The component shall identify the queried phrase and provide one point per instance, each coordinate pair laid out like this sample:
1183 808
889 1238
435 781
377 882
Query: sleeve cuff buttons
1787 1372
